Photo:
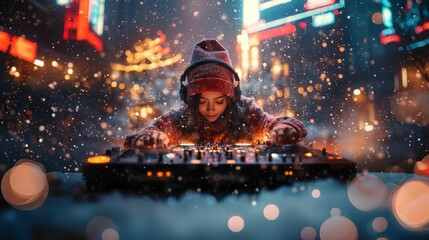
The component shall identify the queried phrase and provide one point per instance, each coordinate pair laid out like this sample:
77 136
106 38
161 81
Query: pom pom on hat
210 77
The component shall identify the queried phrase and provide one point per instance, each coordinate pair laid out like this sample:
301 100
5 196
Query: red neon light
389 39
4 41
275 32
302 25
408 6
83 20
70 21
95 41
76 24
419 29
23 49
423 27
312 4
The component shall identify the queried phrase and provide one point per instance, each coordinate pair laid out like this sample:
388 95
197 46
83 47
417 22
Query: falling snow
339 79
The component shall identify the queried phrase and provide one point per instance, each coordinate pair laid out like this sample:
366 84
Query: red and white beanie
210 77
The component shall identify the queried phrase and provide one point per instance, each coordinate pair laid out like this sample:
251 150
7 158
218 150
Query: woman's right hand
153 138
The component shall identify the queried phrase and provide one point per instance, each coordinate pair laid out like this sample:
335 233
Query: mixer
212 167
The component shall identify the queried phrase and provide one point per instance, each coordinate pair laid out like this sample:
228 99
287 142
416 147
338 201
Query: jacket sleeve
262 123
164 123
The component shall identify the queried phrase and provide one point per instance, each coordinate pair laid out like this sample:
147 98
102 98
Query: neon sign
278 13
4 41
97 16
78 21
19 47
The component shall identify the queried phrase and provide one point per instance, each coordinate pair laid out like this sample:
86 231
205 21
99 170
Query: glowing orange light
195 161
159 174
4 41
25 186
149 174
308 154
271 212
410 206
422 167
243 144
147 56
168 174
99 159
230 161
23 49
187 144
288 173
236 223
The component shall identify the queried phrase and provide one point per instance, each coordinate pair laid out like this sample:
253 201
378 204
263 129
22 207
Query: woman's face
212 105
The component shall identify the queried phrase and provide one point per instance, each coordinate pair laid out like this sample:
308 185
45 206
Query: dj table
323 204
211 167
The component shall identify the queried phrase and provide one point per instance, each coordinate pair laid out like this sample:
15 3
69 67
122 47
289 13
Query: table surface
318 209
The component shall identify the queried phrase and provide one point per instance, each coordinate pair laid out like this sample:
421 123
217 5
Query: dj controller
215 168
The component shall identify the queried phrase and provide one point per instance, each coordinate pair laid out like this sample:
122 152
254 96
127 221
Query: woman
215 110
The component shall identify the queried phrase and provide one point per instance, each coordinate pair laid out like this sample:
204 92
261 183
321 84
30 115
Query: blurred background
77 76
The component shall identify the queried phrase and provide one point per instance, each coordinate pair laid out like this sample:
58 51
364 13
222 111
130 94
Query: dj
214 109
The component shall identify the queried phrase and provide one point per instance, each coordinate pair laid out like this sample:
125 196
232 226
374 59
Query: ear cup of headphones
184 94
237 93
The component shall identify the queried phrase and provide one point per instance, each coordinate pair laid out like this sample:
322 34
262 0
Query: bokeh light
422 167
236 224
377 18
410 107
335 212
110 234
338 227
367 192
101 227
315 193
379 224
410 204
308 233
25 185
271 212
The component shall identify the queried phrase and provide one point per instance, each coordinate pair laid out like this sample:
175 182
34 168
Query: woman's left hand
284 134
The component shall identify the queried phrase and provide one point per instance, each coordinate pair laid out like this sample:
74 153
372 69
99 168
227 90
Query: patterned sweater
256 122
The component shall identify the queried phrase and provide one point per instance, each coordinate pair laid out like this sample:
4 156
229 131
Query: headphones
184 89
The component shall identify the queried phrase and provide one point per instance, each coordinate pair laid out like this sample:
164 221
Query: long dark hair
237 127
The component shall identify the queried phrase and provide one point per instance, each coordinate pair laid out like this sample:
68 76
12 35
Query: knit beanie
210 77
